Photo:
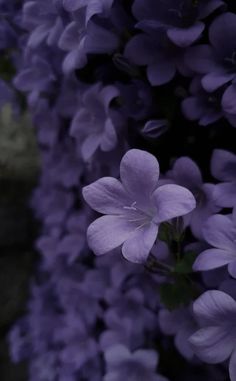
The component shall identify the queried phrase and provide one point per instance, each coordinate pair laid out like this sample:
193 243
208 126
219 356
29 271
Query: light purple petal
220 232
172 201
106 195
184 37
214 308
225 194
212 259
137 248
139 172
212 344
108 232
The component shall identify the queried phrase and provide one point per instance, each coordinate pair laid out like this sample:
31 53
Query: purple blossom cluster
137 239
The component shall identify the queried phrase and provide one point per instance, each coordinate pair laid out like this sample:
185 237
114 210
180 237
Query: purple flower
92 125
180 18
220 232
205 107
72 41
43 20
215 341
154 50
134 207
93 7
223 167
186 173
216 62
137 366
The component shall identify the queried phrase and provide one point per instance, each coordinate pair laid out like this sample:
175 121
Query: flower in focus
134 207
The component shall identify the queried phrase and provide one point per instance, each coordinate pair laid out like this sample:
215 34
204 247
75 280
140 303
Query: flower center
137 215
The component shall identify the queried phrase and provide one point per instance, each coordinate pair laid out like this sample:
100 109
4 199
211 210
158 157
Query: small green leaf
175 295
184 266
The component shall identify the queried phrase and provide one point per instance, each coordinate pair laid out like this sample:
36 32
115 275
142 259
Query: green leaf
184 266
175 295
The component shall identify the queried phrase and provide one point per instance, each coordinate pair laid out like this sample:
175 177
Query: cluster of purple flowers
108 84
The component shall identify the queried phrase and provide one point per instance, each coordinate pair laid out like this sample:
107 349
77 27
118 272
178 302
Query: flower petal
214 80
137 248
106 195
172 201
139 172
214 308
223 165
212 344
184 37
225 194
229 100
161 72
220 232
212 259
108 232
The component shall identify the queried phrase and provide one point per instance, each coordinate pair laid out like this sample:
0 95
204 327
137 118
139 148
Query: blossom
134 207
92 125
205 107
220 232
180 19
155 51
137 366
216 62
186 173
215 341
223 168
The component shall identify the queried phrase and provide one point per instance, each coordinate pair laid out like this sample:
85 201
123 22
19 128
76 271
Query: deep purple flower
43 20
205 107
186 173
138 366
72 41
134 207
93 7
216 62
223 168
92 125
158 53
180 18
220 232
215 341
